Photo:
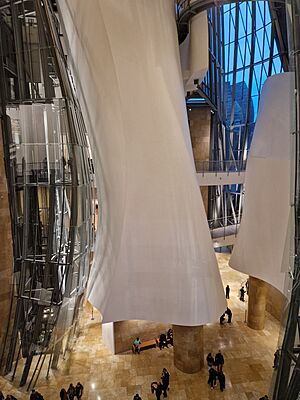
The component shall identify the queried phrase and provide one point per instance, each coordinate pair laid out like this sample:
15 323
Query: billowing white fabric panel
194 52
154 258
261 247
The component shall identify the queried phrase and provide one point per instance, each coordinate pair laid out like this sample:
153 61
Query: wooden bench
148 344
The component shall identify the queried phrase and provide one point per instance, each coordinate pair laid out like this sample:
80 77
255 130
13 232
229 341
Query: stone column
199 122
188 348
257 303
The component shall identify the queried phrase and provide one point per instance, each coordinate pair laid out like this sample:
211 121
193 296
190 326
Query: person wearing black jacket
212 378
165 378
221 378
219 361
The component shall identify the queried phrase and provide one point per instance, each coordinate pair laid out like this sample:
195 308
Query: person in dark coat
165 379
63 394
78 390
229 313
221 378
222 319
242 292
170 336
137 397
276 359
157 388
1 395
210 360
212 377
71 392
162 341
219 361
227 290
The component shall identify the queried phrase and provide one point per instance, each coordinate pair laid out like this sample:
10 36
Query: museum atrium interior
143 169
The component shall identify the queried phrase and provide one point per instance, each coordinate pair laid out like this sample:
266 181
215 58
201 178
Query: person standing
165 379
78 390
227 290
210 360
170 336
221 378
71 391
219 361
157 388
63 394
212 377
1 395
242 292
276 359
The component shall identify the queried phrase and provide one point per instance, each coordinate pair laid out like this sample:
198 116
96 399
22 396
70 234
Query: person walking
227 290
165 379
63 394
219 361
157 388
212 377
221 378
210 360
242 293
71 391
229 313
78 390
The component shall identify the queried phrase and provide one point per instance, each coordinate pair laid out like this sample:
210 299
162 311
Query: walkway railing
229 166
222 227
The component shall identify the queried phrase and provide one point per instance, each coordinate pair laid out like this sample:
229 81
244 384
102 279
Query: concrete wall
276 302
126 331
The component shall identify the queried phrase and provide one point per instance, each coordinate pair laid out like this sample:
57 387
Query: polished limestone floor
248 360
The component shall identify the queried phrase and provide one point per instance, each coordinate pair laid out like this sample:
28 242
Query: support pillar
257 303
188 348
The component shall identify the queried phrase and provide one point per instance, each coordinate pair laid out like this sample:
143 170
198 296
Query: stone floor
248 360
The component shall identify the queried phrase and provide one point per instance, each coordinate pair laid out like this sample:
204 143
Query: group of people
229 314
8 397
72 392
34 395
215 373
161 387
165 339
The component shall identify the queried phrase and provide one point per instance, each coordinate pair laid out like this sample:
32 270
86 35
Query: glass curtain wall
243 46
50 184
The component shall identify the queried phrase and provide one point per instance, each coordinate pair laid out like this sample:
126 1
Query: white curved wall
263 238
154 258
194 52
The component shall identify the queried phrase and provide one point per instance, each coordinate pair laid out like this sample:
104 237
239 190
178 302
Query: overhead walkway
224 230
229 172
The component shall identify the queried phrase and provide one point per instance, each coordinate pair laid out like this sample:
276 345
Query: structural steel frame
49 174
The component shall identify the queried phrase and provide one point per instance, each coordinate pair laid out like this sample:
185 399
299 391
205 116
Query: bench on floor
148 344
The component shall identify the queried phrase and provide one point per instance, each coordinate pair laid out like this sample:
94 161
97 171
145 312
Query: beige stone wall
126 331
6 254
199 121
276 302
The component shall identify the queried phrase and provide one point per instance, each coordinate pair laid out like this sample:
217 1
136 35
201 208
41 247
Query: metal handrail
228 166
